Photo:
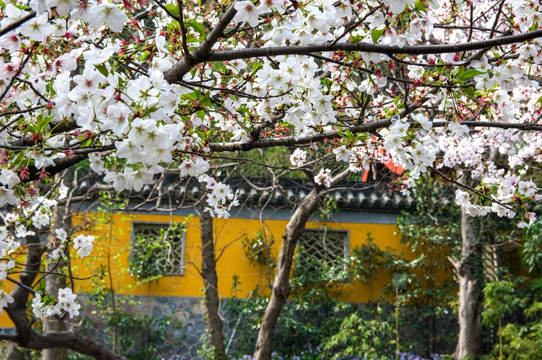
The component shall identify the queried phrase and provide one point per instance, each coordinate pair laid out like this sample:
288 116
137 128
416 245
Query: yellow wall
228 235
7 287
111 250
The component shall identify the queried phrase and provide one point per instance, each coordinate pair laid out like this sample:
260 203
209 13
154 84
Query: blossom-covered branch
183 67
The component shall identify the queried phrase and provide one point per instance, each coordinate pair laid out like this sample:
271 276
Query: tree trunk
281 284
54 323
60 219
469 341
210 283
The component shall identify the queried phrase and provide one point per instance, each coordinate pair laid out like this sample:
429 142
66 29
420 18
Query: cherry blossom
5 267
83 244
323 177
246 12
5 299
65 302
357 83
38 28
106 13
298 157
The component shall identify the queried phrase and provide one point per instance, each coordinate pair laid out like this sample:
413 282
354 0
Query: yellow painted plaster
113 236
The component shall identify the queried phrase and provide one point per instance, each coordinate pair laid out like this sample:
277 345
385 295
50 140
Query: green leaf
470 73
18 158
376 34
420 6
346 134
143 56
356 38
457 71
42 122
101 68
219 66
362 136
191 39
150 110
470 92
197 26
174 9
191 96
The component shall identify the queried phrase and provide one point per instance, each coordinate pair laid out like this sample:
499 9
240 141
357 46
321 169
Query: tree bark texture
60 219
281 284
210 283
469 341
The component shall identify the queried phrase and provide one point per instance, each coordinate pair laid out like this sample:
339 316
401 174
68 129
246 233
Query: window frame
346 240
161 225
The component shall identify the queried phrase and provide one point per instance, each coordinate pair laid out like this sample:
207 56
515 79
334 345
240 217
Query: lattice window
323 246
489 261
490 258
157 249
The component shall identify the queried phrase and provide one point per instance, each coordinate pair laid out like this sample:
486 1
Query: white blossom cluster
65 302
414 155
83 244
58 244
5 267
8 242
323 178
298 157
221 199
111 93
508 185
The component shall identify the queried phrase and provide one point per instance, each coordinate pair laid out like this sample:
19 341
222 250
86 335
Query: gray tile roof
285 193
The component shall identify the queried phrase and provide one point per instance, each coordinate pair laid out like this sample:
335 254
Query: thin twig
184 43
21 285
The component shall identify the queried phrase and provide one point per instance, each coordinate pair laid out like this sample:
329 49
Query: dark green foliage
312 314
367 260
369 334
433 233
143 337
258 250
144 265
516 307
531 252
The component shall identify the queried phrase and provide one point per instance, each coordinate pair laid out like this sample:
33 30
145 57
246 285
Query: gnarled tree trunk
281 284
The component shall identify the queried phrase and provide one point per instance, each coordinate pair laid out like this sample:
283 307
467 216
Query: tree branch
73 341
295 140
361 128
203 53
17 309
16 24
60 164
